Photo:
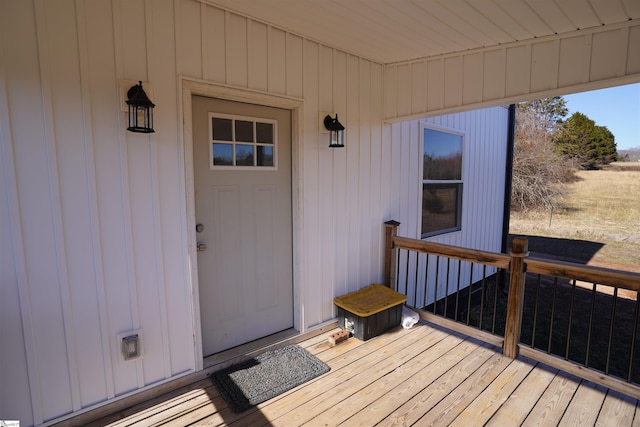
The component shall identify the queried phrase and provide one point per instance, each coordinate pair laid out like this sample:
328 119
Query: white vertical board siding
311 207
18 348
93 213
95 221
340 178
484 169
39 286
577 61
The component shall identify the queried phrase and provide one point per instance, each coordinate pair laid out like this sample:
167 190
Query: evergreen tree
587 145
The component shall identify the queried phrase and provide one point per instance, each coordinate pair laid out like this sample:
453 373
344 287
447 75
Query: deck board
411 411
377 410
617 409
585 406
484 406
461 397
516 408
552 404
423 376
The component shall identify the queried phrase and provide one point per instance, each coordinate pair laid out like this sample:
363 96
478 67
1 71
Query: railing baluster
426 281
553 312
633 336
415 285
573 296
435 288
446 290
535 311
458 291
495 305
469 294
484 275
395 268
612 323
406 274
593 305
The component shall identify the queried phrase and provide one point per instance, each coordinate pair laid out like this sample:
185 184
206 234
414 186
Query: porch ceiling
391 31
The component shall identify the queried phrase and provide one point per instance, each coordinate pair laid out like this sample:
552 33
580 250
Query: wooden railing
466 290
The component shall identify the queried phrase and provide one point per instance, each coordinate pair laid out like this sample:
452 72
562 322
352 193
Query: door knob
201 247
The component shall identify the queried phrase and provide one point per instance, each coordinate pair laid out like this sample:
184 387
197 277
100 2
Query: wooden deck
422 376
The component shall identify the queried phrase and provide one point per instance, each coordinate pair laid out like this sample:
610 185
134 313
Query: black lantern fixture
140 110
336 131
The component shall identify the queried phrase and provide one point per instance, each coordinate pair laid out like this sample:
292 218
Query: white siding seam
227 31
586 78
177 23
56 208
330 237
94 212
556 46
377 131
247 52
505 71
286 66
624 63
269 86
7 160
285 61
204 38
126 204
157 213
365 108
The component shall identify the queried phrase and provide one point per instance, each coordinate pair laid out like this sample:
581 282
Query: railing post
390 252
517 275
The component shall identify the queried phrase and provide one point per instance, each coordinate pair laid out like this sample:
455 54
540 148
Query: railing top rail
464 254
586 273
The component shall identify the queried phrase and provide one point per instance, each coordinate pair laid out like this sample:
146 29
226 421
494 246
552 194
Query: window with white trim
441 181
239 141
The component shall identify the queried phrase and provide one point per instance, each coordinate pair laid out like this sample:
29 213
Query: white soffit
391 31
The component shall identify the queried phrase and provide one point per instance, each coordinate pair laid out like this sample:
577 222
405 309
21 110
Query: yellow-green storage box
370 311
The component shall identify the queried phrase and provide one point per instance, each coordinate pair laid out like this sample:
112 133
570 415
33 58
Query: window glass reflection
222 154
265 156
244 155
440 207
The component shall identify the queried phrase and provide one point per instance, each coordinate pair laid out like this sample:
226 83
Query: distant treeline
630 155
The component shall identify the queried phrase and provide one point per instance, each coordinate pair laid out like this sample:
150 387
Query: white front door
242 180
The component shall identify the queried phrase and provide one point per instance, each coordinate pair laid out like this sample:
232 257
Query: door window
242 142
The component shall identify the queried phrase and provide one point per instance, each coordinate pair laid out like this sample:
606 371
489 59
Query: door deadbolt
199 228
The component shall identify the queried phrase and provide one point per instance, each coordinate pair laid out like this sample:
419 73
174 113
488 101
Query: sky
617 108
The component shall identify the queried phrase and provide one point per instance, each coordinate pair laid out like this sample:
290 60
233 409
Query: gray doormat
266 376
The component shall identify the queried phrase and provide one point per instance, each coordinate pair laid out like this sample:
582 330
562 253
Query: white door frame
190 87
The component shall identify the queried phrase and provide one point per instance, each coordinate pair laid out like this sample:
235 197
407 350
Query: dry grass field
597 223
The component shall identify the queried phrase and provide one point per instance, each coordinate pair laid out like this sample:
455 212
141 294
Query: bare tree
538 170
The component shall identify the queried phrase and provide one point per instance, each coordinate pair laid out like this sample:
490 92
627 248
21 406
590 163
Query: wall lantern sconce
336 131
140 110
